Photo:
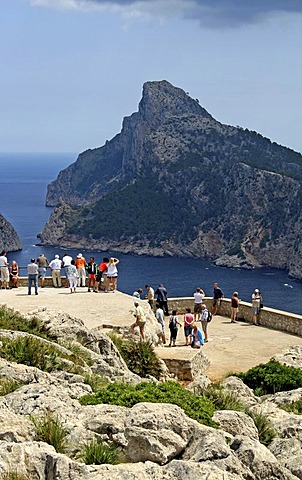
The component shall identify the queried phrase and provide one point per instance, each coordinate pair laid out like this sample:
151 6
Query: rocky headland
9 239
176 181
155 440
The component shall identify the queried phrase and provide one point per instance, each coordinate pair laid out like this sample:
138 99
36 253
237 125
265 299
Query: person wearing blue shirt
197 337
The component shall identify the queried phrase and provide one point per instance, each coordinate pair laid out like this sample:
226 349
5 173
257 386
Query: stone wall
269 317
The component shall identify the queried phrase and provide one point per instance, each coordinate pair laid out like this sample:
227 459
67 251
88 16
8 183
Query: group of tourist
201 314
76 271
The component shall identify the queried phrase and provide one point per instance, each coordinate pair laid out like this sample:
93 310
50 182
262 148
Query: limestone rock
199 384
236 423
259 459
288 451
14 427
292 357
240 390
9 239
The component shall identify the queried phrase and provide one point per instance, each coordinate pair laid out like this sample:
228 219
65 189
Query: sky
72 69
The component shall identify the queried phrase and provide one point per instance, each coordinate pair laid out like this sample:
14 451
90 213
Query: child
173 326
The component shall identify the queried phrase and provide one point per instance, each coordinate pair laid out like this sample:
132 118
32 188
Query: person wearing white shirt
198 297
55 266
66 262
4 270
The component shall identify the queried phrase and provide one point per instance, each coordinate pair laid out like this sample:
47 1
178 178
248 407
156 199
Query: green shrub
10 320
78 354
139 356
30 351
222 399
14 475
265 429
294 407
272 377
196 407
50 430
7 385
95 381
97 452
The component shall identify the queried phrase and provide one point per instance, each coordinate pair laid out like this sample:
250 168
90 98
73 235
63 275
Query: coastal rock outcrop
178 182
9 239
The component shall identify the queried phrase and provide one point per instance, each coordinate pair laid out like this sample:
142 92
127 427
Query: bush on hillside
96 452
10 320
8 385
272 377
140 357
50 430
294 407
196 407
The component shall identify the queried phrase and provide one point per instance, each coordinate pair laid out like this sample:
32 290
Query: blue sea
23 183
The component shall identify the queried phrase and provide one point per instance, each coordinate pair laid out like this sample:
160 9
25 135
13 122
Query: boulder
259 460
242 392
236 423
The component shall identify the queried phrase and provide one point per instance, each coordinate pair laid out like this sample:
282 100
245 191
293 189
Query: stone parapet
269 317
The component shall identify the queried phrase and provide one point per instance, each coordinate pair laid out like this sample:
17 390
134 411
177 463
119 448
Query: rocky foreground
156 441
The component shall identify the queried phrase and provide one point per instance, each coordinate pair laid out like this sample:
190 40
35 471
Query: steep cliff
176 181
9 239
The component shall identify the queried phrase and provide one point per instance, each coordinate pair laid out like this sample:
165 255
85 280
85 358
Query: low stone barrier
269 317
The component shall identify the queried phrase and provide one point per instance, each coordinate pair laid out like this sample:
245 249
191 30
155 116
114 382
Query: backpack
209 316
173 322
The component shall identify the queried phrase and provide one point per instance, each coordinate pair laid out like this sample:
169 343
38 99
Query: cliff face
177 182
9 239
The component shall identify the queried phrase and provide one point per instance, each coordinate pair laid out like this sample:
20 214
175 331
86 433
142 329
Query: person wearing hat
234 307
256 305
80 264
32 271
140 320
55 267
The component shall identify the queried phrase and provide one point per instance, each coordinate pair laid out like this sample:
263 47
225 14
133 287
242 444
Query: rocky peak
161 99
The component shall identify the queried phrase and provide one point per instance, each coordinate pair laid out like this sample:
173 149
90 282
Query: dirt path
231 347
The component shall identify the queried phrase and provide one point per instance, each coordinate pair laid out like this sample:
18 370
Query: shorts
42 272
4 274
234 310
188 330
204 325
141 323
256 310
197 308
112 276
92 275
217 301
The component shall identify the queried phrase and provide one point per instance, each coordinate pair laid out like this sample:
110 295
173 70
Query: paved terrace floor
231 347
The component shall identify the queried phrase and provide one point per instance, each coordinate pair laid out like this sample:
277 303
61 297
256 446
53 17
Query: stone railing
269 317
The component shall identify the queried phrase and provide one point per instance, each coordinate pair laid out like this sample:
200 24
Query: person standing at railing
55 267
33 272
4 270
42 264
80 263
